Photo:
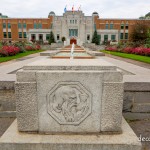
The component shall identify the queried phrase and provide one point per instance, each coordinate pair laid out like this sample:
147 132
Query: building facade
73 26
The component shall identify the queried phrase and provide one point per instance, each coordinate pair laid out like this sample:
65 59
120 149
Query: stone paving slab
139 127
12 139
7 68
140 74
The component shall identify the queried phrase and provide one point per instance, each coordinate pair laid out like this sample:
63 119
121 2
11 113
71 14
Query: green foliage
51 38
1 45
147 15
96 38
148 39
139 32
63 39
19 55
21 45
145 59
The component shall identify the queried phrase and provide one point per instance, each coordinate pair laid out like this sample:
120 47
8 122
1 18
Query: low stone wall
7 99
136 100
52 46
137 97
56 45
94 47
45 47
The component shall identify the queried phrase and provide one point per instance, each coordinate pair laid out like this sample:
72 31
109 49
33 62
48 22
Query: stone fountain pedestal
14 140
69 104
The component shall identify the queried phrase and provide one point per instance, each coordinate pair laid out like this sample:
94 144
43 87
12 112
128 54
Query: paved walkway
138 63
133 73
8 69
139 127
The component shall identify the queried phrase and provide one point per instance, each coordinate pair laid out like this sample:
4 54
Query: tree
139 32
51 38
96 38
63 39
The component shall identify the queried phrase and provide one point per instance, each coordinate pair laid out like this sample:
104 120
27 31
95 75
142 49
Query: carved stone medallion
69 103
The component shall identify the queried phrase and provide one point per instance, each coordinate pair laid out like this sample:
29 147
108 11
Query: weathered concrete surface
136 88
26 106
70 96
91 116
14 140
49 53
74 64
95 53
136 81
112 106
7 99
4 124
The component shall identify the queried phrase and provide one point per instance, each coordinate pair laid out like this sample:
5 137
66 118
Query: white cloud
105 8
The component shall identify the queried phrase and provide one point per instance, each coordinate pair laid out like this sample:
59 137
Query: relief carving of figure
70 102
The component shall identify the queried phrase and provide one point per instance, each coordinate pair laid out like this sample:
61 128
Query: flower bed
9 50
32 47
130 50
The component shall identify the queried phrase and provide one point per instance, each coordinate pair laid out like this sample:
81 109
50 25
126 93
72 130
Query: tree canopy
51 38
139 32
96 38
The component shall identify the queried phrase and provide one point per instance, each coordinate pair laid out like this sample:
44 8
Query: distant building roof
3 16
147 15
51 13
95 13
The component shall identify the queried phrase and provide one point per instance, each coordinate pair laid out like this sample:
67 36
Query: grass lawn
145 59
19 55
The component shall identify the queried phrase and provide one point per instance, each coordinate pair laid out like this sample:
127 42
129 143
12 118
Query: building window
33 38
75 21
9 34
40 37
106 26
47 37
122 26
70 21
121 36
24 26
105 38
113 37
58 37
111 26
126 36
20 34
24 34
127 27
5 34
40 26
73 32
35 26
4 25
9 26
88 37
19 25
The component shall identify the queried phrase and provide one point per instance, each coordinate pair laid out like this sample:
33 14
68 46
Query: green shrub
21 46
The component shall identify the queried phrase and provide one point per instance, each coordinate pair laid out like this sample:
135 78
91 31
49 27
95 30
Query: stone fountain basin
77 55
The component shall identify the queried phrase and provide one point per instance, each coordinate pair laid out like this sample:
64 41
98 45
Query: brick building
74 26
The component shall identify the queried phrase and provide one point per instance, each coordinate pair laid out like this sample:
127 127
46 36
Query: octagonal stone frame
81 89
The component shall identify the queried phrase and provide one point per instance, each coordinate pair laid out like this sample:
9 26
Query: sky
105 8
